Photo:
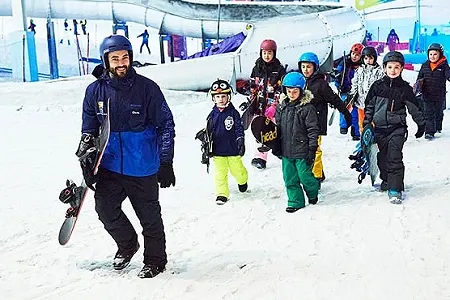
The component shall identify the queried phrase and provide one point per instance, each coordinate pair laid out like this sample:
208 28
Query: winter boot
383 186
292 209
150 271
344 130
429 136
123 258
221 200
243 187
395 197
259 163
313 201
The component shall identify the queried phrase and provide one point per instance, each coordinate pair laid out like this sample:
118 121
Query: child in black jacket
385 109
434 72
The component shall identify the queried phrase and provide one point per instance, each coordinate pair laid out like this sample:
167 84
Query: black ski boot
243 187
150 271
122 258
259 163
221 200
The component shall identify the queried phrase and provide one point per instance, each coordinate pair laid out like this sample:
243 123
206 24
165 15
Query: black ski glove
311 157
420 131
166 177
244 105
241 146
348 118
87 155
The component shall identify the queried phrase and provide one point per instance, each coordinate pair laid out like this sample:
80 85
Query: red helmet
268 45
357 48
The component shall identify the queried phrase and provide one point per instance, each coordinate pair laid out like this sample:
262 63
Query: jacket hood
306 98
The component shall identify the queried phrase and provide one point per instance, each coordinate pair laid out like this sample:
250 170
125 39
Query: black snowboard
75 195
266 132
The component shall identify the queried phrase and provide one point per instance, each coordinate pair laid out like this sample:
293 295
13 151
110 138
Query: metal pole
418 25
218 21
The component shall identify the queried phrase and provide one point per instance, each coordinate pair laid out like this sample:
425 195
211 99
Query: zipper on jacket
392 105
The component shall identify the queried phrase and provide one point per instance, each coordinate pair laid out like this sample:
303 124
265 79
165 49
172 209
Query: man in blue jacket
138 155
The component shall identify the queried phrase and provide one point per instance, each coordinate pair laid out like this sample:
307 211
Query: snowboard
365 155
266 133
75 195
256 102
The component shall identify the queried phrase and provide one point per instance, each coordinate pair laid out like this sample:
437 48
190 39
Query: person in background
66 33
435 72
365 75
385 110
267 74
144 36
323 95
138 155
83 24
75 27
392 40
296 120
32 26
346 70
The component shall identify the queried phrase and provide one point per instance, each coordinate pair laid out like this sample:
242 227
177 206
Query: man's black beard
115 74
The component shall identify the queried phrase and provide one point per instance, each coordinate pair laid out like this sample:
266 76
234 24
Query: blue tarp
229 44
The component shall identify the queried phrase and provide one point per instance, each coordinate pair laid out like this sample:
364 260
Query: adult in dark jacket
323 95
385 109
296 120
434 72
139 154
267 74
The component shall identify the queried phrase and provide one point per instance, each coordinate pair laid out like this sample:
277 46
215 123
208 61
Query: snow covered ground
353 244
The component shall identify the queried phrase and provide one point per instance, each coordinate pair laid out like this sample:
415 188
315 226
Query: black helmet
370 51
113 43
394 56
220 86
437 47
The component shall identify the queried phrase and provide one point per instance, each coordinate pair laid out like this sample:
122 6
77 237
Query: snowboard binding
72 195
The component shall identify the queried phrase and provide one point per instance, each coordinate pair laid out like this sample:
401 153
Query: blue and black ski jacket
142 126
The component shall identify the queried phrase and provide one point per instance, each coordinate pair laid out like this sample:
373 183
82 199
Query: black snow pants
433 115
390 158
143 192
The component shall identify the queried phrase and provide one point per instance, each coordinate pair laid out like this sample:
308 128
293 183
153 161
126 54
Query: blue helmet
309 57
112 43
294 80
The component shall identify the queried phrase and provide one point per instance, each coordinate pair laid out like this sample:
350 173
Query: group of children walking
298 103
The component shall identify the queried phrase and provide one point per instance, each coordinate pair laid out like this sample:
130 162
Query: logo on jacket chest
229 122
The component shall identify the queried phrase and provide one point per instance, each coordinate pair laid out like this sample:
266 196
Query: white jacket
365 75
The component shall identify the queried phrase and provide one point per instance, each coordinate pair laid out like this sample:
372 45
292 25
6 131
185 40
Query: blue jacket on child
226 128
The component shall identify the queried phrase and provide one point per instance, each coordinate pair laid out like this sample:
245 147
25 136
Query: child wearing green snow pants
299 132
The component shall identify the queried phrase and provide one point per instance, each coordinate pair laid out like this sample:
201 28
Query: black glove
311 157
87 163
241 146
420 131
244 105
166 177
348 118
87 141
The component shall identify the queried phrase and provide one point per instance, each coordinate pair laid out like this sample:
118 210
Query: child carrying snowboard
385 109
296 119
226 133
267 74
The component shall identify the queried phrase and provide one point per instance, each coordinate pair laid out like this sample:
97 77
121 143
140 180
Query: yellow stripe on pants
221 165
318 165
